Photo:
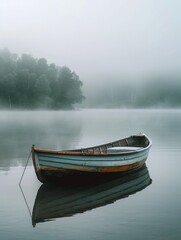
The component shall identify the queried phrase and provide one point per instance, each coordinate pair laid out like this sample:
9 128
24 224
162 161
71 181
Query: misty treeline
156 91
26 82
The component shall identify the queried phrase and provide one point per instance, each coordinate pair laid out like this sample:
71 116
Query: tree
68 89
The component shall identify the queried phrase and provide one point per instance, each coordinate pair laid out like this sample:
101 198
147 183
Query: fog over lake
153 211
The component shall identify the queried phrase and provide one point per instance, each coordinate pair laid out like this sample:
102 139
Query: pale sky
96 37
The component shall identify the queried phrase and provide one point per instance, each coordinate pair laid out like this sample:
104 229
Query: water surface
151 212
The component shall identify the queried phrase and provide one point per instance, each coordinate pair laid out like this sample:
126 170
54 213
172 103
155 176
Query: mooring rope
25 200
25 168
20 184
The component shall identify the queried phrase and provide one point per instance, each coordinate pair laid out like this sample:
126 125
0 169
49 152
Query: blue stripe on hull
55 160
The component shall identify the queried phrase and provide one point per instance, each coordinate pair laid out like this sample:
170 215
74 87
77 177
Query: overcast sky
96 37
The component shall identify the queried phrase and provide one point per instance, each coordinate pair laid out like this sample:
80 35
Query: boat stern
36 165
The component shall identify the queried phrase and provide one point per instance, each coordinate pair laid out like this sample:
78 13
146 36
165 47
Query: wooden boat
118 156
58 201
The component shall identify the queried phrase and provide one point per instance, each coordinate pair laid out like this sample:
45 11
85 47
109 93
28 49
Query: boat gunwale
82 153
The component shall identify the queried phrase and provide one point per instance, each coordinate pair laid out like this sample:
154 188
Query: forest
153 91
29 83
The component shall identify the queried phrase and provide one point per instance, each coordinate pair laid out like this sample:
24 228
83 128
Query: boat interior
129 144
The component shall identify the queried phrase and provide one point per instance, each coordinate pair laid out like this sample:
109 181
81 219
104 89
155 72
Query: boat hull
53 163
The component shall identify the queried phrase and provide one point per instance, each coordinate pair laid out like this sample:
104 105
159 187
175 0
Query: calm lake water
152 208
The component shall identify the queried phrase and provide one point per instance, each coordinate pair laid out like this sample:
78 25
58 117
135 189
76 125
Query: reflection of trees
61 130
163 126
19 130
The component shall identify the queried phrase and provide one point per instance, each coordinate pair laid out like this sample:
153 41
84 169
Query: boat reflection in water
72 196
